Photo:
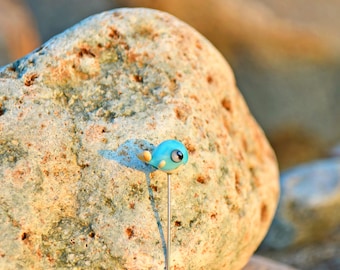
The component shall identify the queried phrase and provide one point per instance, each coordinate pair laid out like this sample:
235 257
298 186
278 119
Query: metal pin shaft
168 245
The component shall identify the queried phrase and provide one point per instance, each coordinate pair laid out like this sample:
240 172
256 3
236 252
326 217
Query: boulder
77 111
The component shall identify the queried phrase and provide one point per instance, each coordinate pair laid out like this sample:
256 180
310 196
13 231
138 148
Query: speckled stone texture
75 112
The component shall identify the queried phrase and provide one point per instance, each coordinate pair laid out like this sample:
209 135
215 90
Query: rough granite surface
74 114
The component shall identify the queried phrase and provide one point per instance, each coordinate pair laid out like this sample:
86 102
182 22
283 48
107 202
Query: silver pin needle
168 246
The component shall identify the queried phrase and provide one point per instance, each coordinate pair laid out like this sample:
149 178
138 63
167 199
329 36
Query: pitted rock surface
75 112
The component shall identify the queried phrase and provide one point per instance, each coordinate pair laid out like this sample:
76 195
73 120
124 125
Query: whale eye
176 156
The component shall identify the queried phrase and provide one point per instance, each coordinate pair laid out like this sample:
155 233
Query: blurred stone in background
306 227
18 34
309 205
53 17
262 263
24 25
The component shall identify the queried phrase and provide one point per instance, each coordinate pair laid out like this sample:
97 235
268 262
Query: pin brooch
168 157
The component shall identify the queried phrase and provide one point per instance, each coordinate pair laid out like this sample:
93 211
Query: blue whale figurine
169 156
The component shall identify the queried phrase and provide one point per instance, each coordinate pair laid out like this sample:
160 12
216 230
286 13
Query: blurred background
286 59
